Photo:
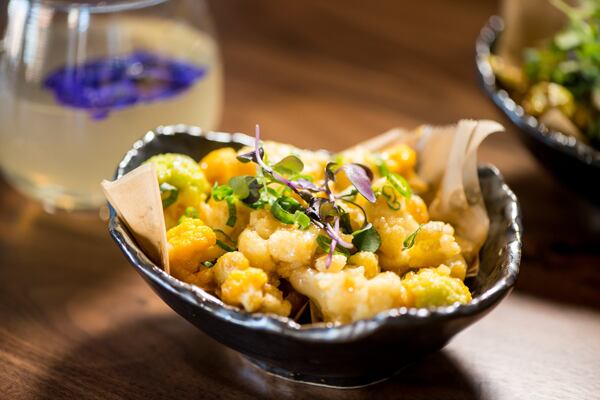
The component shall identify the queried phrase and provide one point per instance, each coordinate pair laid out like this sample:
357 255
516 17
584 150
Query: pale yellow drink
60 154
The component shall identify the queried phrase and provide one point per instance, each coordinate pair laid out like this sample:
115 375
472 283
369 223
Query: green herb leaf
410 239
345 223
367 239
208 264
221 192
301 219
324 243
168 194
330 170
240 186
289 165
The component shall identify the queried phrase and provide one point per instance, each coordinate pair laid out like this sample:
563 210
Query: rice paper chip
456 194
136 198
447 162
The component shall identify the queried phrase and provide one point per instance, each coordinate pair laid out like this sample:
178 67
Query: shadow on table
167 358
561 242
51 258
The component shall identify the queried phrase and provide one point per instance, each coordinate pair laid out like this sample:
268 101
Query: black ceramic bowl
350 355
576 164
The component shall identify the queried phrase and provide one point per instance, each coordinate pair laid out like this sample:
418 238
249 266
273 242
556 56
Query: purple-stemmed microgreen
321 207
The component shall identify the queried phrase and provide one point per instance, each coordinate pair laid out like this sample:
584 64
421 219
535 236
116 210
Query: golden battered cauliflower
222 164
338 262
242 285
274 246
400 159
435 245
189 244
347 295
367 260
393 227
423 261
434 287
215 214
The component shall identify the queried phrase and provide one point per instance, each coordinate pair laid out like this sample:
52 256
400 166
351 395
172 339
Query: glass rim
98 6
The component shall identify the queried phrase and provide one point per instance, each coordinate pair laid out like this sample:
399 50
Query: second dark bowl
349 355
575 164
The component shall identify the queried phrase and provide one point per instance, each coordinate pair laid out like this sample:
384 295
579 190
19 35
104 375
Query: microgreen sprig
313 204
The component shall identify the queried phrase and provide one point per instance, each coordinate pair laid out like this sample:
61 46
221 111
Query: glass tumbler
80 81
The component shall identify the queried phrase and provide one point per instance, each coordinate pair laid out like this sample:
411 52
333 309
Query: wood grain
77 322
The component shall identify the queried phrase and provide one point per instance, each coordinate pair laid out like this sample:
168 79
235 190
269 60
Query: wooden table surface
77 322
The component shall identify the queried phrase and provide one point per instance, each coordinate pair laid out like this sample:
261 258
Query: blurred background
318 75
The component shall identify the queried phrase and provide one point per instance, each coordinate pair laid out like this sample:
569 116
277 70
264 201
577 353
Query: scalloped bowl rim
531 125
323 332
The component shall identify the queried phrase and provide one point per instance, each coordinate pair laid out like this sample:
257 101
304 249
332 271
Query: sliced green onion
231 220
288 211
225 246
400 184
389 194
410 239
396 180
168 194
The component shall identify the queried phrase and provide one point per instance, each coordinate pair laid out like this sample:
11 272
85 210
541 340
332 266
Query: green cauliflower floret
182 183
434 287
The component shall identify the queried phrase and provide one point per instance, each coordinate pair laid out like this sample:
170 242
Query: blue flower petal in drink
107 84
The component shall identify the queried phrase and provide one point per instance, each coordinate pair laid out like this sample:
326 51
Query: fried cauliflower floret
400 158
256 249
216 213
222 164
418 209
248 287
435 245
347 295
393 227
367 260
184 174
274 246
190 243
402 206
338 262
434 287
